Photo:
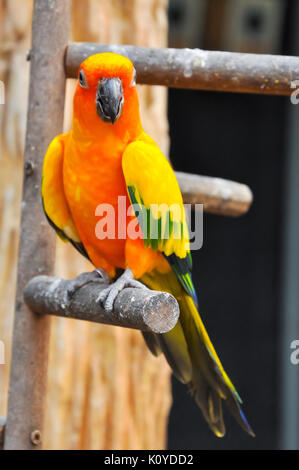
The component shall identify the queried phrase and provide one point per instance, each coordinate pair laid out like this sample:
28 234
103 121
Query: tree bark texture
105 390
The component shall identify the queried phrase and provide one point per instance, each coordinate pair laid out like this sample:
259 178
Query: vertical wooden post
50 33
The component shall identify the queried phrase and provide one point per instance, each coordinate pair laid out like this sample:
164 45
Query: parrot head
106 93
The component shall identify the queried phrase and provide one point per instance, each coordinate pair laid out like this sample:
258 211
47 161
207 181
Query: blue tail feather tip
249 428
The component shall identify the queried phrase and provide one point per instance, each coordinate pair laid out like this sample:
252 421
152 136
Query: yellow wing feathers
152 185
53 198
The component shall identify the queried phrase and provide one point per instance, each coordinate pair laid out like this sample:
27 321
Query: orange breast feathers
97 197
92 169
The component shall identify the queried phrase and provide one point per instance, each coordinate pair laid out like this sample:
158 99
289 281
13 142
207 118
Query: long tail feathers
193 359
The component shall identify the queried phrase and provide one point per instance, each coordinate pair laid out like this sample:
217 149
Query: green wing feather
164 227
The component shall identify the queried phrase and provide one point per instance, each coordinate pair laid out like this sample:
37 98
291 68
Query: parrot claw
98 275
107 297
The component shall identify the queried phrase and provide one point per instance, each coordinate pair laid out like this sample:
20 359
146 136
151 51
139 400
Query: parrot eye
133 82
82 79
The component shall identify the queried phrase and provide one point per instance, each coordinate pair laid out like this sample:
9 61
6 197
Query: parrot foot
98 275
108 295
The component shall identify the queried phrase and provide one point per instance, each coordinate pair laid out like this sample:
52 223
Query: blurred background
104 389
248 268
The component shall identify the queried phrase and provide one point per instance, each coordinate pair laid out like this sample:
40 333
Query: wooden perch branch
199 69
141 309
219 196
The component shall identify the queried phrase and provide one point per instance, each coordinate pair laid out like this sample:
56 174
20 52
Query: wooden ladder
53 60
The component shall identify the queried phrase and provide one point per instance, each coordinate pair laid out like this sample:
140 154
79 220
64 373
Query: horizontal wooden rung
218 195
199 69
137 308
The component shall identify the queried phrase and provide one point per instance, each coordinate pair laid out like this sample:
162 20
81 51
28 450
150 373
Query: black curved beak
109 99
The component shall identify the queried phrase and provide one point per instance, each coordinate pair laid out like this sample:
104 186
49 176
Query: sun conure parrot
107 154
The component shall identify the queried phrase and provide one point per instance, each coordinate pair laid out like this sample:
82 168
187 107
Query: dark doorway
238 269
